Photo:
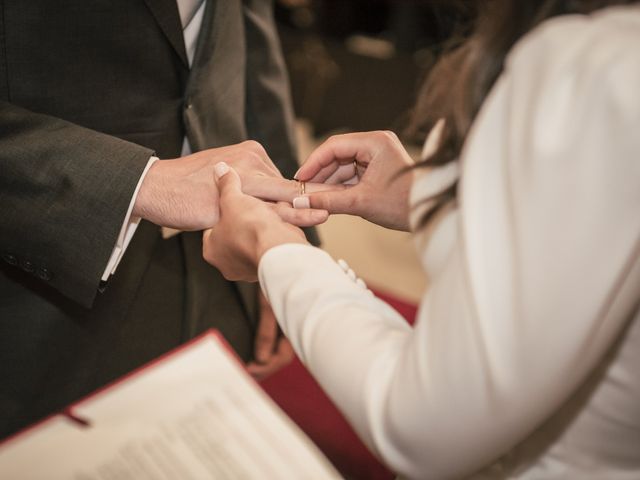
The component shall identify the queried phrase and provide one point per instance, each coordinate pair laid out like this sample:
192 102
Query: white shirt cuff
129 226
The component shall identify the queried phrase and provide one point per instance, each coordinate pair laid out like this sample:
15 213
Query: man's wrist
129 226
143 194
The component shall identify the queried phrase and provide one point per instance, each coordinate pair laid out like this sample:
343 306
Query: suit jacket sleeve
270 118
64 192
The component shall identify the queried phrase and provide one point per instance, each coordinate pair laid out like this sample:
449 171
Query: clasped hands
356 174
182 194
363 174
244 205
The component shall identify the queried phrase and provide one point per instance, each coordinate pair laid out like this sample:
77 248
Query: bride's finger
324 173
310 187
340 149
344 174
271 188
300 217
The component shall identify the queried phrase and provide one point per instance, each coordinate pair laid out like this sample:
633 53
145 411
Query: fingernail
301 202
220 169
295 175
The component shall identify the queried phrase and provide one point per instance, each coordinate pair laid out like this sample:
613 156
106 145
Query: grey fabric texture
88 91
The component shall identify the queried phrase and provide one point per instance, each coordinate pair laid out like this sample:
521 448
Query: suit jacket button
44 274
10 259
27 266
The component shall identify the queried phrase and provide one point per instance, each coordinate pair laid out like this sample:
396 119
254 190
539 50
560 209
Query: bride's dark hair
459 82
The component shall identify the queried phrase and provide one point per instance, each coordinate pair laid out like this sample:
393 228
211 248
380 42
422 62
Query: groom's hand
272 350
181 193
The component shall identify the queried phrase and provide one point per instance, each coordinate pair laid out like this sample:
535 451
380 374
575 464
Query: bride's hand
246 229
368 164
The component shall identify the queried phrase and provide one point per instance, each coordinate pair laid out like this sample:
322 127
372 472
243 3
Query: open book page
194 414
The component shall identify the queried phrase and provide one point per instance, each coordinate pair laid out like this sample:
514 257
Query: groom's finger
279 189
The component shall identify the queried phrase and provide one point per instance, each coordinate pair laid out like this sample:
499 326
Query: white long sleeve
528 339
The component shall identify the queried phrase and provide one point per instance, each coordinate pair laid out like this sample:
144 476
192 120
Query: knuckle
285 214
333 139
353 201
297 218
254 156
386 136
254 147
391 136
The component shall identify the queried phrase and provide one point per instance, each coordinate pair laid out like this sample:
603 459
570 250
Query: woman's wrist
267 240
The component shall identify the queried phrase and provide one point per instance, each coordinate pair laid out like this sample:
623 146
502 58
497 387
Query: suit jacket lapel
167 15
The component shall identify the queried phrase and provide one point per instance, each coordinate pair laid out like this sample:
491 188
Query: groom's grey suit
89 90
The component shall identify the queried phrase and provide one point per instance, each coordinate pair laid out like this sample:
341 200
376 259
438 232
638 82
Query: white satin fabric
525 358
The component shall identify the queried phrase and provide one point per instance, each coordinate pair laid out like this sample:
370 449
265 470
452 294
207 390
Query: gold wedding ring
301 187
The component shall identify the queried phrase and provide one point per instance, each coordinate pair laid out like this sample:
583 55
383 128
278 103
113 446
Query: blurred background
357 65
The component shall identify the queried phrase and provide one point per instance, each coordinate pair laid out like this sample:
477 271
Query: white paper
194 415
